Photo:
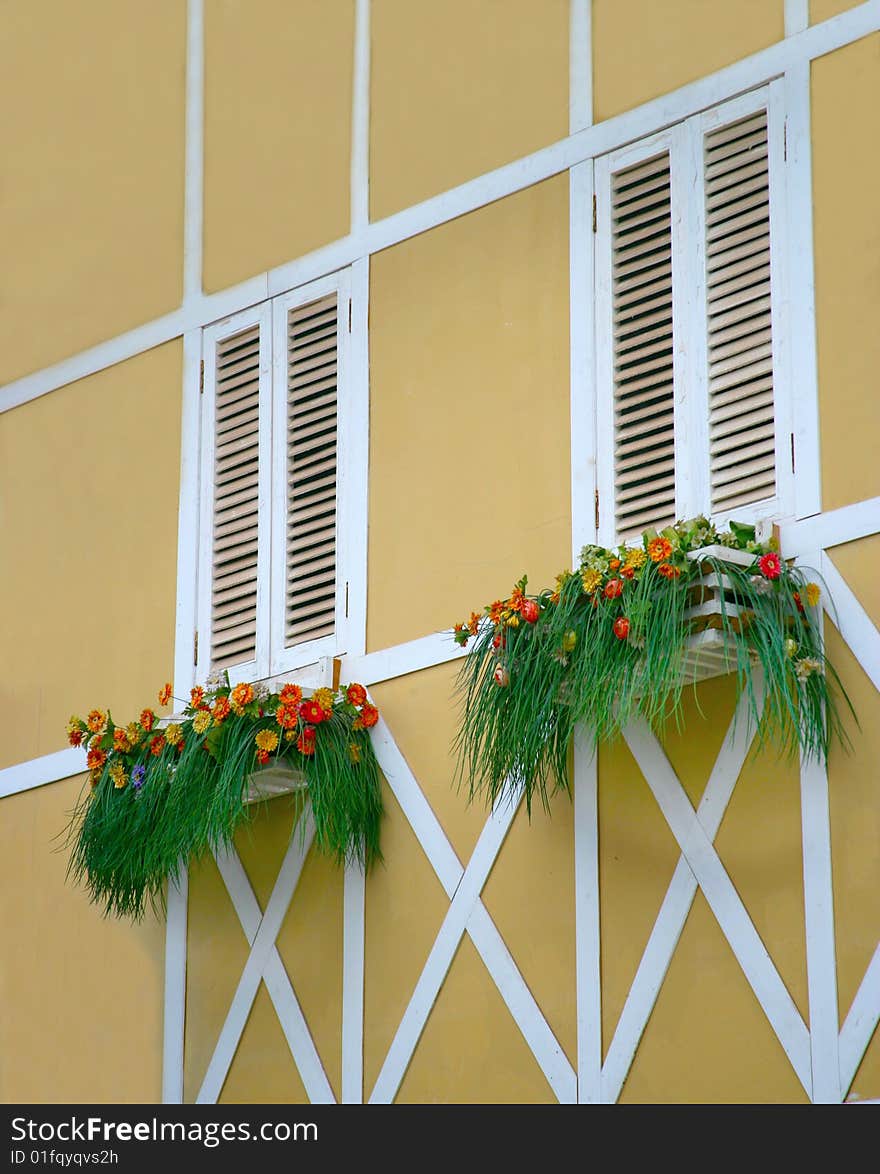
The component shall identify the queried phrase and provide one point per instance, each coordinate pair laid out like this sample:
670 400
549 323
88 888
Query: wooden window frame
684 141
272 657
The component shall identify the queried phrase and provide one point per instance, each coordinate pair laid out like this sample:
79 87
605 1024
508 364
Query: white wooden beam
354 901
195 137
860 1023
174 1017
588 973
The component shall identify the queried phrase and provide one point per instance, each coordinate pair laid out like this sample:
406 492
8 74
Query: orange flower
494 611
196 696
242 695
291 695
473 623
165 693
156 744
659 549
75 737
613 588
147 719
120 740
369 715
614 564
262 757
628 571
668 571
356 694
287 716
221 709
96 719
305 743
95 759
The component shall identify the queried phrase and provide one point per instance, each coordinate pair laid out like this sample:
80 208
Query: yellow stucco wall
846 192
458 89
81 994
469 449
89 480
92 200
278 93
824 9
642 49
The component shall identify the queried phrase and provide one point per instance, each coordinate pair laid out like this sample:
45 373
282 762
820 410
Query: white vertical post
188 518
587 931
796 16
819 923
360 120
353 986
175 991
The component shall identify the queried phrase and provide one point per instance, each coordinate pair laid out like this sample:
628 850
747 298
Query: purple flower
137 776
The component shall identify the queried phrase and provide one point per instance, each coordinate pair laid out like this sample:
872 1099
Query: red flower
356 694
75 737
529 611
621 627
499 641
147 719
95 759
770 566
668 571
312 712
628 572
613 588
157 744
262 757
369 715
305 743
501 675
798 602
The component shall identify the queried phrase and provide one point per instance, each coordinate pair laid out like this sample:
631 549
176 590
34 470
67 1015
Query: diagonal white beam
481 929
725 902
676 905
860 1023
254 968
852 621
442 952
287 1008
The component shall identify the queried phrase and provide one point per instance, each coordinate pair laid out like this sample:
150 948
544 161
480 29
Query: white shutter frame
213 338
286 660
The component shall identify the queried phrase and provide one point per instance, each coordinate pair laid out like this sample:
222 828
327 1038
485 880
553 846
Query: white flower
806 666
761 585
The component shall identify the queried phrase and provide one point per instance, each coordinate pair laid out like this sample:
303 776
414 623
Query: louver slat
236 499
741 418
310 600
644 442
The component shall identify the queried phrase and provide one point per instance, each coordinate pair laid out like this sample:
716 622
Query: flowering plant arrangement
610 641
163 790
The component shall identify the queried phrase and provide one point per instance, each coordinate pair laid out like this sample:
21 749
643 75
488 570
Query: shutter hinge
349 315
597 509
792 452
201 376
195 648
785 141
346 600
595 217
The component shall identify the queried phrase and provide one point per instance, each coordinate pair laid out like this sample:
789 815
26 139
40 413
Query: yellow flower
591 580
133 733
513 621
324 698
813 594
354 752
118 775
266 740
569 640
635 557
202 721
791 647
173 734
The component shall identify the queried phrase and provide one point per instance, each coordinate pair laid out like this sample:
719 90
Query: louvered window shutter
236 490
310 563
641 293
741 409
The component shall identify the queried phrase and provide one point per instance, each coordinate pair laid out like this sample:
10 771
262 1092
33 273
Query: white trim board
584 144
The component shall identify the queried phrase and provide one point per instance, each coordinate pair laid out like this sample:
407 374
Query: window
272 590
692 402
